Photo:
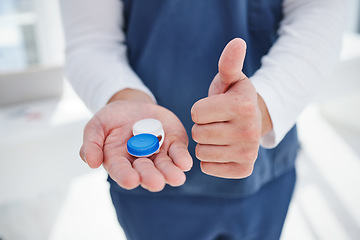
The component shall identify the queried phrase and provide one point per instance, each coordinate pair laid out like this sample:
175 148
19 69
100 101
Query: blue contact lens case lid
143 145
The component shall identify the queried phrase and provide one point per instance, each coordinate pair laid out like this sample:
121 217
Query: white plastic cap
149 125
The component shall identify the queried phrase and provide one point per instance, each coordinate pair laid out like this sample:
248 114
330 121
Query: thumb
230 67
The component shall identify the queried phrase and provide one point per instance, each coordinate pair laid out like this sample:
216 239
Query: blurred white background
47 192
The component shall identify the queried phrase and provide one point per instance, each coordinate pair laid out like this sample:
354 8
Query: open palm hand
106 135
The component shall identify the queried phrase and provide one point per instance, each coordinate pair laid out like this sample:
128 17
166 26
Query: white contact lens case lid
149 125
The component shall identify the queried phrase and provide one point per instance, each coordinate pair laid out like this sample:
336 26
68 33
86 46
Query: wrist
131 95
266 125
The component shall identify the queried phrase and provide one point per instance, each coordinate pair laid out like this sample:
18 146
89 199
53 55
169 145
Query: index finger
212 109
180 155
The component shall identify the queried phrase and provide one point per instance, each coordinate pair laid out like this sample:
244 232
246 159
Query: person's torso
174 46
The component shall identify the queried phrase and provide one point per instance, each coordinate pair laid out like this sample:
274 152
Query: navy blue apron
174 46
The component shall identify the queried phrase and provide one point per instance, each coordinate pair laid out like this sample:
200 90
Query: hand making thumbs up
231 120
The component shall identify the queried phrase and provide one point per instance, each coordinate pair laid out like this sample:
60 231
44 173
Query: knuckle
251 133
243 107
246 156
110 167
203 153
213 134
161 162
235 135
255 132
140 162
235 106
129 182
239 171
252 156
242 170
246 171
208 135
248 108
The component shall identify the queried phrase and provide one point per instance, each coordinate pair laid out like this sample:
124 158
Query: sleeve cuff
108 89
275 105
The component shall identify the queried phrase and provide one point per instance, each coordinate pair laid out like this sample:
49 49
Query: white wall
353 21
49 32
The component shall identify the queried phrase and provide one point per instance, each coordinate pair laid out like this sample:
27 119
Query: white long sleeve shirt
291 73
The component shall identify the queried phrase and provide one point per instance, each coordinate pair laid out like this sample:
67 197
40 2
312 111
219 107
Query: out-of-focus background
47 192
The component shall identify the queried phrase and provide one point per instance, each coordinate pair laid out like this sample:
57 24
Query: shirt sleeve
96 59
306 51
